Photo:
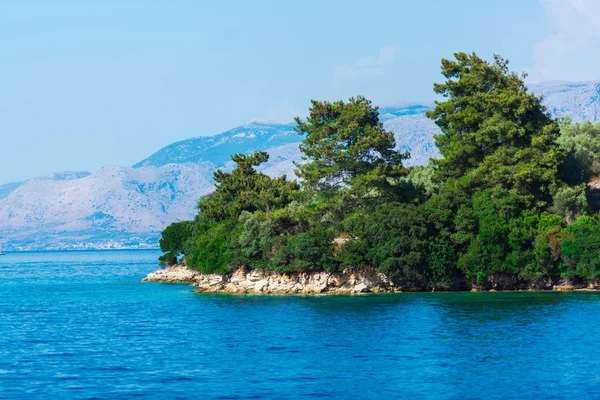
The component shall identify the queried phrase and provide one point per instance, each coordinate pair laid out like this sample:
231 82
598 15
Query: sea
81 325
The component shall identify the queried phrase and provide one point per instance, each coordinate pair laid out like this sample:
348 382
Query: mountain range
127 207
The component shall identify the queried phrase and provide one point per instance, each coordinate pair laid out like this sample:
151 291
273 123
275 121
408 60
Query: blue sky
90 83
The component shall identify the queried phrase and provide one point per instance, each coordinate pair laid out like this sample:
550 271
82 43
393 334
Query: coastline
246 281
349 281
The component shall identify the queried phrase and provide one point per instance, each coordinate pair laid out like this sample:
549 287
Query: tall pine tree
494 131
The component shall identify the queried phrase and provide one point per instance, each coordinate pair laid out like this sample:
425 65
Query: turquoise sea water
81 325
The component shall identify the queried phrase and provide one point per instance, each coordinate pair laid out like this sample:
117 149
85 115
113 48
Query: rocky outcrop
253 281
568 284
350 281
244 281
504 281
174 274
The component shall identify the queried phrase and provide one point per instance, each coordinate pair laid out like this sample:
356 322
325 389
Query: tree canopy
494 131
508 197
245 189
344 142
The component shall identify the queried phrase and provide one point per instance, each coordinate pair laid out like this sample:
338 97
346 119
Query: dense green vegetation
508 195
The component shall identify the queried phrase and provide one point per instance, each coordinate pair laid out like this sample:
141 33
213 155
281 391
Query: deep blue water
80 324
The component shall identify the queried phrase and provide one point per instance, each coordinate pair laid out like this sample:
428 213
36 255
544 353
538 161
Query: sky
85 84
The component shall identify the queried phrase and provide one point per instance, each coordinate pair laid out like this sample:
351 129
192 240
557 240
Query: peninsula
511 204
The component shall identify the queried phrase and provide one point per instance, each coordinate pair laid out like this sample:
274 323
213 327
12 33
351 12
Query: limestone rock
244 281
174 274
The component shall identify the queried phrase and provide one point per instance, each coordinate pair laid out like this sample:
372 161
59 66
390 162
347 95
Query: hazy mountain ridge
8 188
124 207
116 207
252 136
112 200
578 100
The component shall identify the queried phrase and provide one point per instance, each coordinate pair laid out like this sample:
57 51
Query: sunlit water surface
81 324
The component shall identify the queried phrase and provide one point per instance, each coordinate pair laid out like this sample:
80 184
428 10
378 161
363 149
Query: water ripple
81 325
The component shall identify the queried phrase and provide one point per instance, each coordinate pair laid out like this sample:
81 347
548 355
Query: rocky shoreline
350 281
246 281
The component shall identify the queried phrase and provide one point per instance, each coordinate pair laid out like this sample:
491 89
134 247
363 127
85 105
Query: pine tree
345 142
494 131
245 189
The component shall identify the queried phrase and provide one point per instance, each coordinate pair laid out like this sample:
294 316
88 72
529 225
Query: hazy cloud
368 66
571 51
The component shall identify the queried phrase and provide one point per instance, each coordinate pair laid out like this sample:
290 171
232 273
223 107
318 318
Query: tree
174 241
581 141
396 236
343 142
245 189
499 167
494 132
581 250
570 203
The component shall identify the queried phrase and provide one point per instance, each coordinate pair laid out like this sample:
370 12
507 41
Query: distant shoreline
74 250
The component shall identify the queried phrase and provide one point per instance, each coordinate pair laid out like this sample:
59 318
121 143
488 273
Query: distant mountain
578 100
120 207
111 201
65 176
387 112
250 137
413 132
8 188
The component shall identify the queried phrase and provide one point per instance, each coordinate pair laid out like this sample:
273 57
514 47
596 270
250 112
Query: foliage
419 182
570 203
396 236
168 259
174 241
581 249
441 261
344 142
508 196
255 239
504 235
494 132
581 141
307 251
211 251
245 189
547 247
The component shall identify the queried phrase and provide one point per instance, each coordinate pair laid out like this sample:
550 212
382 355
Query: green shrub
570 203
581 248
212 250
